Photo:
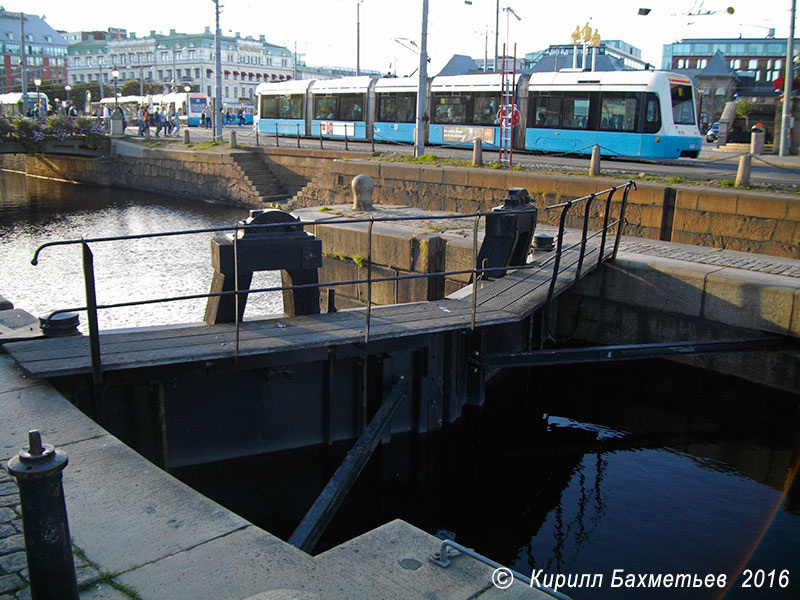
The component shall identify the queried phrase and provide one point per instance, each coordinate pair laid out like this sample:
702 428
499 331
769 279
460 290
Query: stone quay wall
723 218
80 169
734 219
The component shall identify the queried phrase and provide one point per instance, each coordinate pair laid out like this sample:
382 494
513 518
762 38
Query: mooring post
743 172
594 165
477 152
48 546
186 138
233 138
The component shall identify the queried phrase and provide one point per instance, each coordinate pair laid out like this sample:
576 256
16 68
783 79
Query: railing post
369 280
604 233
320 138
44 520
257 125
474 272
94 329
236 286
559 247
584 235
346 147
277 141
621 224
297 128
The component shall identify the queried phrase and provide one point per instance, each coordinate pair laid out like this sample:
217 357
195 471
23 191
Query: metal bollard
44 519
331 300
477 152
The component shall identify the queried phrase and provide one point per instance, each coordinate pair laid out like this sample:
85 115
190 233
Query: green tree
743 109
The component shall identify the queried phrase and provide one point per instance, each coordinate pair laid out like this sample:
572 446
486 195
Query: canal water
34 211
646 467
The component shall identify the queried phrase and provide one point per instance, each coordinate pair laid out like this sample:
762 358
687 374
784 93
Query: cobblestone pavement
14 583
714 256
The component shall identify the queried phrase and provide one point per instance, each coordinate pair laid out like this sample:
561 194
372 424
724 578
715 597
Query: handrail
476 271
442 559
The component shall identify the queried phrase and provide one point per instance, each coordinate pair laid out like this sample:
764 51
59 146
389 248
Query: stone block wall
209 175
723 218
91 171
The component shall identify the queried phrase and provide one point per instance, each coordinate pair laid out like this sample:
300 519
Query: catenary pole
419 132
786 116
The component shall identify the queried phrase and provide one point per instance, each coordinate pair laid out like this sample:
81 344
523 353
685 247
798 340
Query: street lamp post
67 88
115 76
358 37
37 82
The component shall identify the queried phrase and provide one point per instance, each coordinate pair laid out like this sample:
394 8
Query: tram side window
268 107
575 113
387 108
324 107
546 112
397 108
682 104
652 114
351 107
618 112
485 107
290 107
450 109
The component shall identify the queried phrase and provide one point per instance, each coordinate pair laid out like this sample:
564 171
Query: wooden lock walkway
504 300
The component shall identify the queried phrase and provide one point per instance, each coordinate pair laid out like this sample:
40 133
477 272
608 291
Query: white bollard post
594 166
743 172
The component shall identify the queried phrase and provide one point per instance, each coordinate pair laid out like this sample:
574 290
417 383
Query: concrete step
395 558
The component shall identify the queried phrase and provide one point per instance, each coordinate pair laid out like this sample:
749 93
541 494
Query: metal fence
477 271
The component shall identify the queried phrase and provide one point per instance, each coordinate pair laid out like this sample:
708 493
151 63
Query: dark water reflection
679 481
34 211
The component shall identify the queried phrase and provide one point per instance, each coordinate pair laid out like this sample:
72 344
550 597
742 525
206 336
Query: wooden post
743 173
594 166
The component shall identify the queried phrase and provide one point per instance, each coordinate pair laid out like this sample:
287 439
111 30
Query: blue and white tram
395 109
283 107
628 113
343 107
465 107
647 114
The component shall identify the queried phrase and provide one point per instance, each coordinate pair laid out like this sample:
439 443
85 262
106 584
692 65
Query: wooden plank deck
505 300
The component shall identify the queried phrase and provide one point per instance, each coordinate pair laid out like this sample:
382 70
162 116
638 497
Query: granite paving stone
13 543
14 562
10 583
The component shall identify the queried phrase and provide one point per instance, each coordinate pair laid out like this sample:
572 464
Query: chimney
208 30
261 38
152 33
172 32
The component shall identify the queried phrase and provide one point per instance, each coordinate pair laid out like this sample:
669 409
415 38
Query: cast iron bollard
44 519
508 236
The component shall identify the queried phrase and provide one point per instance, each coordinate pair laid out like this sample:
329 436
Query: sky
325 30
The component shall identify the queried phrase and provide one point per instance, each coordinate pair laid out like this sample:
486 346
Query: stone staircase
255 172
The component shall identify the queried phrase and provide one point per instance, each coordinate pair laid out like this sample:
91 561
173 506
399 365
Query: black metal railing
476 272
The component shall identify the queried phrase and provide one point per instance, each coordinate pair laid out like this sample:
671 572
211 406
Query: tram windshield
682 104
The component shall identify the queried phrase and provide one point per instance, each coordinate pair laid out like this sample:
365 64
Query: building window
192 54
197 72
752 64
164 56
160 75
